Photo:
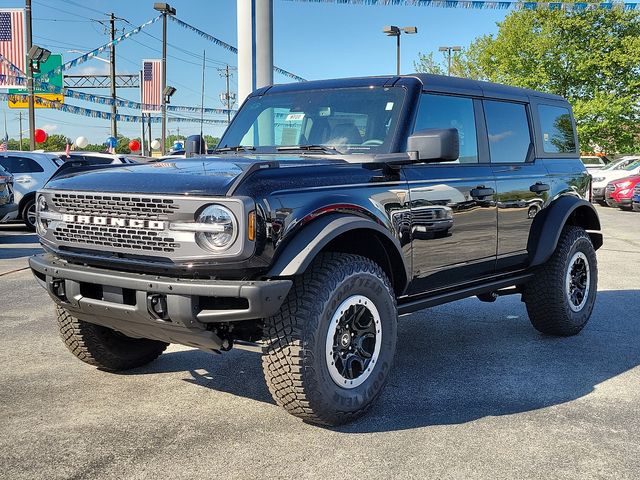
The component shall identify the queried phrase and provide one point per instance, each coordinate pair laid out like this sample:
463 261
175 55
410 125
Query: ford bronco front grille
124 206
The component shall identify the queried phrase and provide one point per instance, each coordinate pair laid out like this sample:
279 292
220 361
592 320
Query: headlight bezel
202 232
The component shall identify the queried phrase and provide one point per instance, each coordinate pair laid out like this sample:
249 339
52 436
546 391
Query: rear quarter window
558 135
20 165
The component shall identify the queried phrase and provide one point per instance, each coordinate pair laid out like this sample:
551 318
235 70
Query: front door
453 212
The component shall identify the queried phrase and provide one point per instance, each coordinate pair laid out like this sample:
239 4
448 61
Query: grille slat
143 208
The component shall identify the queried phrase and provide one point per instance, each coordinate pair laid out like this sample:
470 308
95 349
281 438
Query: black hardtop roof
436 83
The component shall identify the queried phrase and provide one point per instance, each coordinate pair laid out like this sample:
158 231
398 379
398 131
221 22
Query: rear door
453 214
522 180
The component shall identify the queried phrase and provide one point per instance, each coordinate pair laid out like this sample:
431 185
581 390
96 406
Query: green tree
592 58
53 143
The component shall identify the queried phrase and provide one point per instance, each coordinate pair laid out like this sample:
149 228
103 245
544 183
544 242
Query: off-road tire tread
89 343
284 359
544 295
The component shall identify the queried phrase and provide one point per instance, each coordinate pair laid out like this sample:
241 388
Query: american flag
151 73
12 45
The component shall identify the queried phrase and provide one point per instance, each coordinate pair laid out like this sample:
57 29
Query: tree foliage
592 58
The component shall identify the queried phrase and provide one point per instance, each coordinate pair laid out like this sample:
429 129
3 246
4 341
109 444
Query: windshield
346 120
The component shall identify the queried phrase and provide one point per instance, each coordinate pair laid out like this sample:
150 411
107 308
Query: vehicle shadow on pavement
460 362
16 241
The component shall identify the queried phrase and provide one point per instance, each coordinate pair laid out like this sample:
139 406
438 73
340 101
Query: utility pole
165 9
112 62
20 122
32 112
227 99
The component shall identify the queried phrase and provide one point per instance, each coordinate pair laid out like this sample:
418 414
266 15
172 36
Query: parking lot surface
476 393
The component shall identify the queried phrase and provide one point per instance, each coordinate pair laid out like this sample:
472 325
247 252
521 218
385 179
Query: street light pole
394 31
112 64
165 9
32 112
449 49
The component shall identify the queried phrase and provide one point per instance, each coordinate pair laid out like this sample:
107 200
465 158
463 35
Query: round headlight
223 228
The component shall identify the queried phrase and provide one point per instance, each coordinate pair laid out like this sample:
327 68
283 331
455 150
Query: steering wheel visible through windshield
346 120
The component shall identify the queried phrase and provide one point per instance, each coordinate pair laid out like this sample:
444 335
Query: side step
413 305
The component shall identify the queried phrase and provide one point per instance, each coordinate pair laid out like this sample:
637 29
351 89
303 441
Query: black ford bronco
328 209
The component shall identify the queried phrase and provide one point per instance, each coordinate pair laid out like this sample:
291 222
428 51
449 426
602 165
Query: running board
438 299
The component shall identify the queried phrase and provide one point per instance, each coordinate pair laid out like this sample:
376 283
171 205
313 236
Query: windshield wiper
236 148
310 148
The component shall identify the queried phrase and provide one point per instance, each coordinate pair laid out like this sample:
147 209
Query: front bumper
173 310
597 193
619 202
8 212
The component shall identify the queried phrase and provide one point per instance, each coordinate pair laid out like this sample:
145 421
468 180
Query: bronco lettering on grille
113 222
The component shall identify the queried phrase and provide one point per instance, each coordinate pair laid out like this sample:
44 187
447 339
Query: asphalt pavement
476 392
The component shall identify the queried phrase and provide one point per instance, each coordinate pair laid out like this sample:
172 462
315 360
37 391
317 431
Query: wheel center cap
345 340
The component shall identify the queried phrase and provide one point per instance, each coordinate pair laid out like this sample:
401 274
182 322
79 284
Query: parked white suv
30 171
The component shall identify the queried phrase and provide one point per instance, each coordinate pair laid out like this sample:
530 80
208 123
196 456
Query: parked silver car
30 171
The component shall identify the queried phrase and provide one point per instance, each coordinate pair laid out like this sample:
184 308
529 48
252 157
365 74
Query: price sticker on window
295 117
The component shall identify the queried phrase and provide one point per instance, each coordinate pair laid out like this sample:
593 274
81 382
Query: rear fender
548 224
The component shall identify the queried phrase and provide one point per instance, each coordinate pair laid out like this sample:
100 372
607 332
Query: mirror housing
434 145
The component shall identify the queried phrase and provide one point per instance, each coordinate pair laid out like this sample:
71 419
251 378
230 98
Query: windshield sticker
389 106
295 117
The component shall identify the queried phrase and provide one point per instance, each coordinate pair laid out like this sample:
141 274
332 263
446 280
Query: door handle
481 191
23 179
539 187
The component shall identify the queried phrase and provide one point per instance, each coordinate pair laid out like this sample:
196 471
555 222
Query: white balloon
155 145
81 142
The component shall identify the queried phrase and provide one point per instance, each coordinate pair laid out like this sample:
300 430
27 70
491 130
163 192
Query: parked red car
619 193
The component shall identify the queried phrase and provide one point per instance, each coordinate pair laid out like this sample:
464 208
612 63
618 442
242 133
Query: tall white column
255 45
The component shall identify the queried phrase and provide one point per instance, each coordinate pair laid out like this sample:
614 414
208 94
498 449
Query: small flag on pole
12 45
151 94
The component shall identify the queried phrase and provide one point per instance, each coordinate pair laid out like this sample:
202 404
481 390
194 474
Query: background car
619 193
627 167
636 198
595 162
8 208
30 171
96 158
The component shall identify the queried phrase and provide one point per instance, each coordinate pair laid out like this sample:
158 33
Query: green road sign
54 61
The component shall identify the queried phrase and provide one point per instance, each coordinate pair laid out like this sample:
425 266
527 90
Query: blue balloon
111 142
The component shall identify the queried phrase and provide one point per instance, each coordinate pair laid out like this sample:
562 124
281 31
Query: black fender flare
548 224
306 243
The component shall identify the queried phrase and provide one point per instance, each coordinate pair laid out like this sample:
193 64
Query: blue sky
314 41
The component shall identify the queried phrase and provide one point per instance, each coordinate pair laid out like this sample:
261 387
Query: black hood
198 176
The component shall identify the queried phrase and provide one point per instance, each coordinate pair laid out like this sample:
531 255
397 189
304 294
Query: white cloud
98 69
49 128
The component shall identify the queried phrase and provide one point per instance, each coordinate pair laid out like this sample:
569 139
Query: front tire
29 214
105 348
561 296
331 346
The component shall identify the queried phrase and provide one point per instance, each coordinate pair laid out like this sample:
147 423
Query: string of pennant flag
567 6
231 48
87 112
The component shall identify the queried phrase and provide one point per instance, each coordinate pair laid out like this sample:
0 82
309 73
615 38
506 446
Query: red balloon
40 135
134 145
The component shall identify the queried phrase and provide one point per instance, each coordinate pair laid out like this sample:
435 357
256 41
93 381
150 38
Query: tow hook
157 306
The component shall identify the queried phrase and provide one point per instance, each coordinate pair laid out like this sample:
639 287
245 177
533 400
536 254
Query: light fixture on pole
393 31
449 50
167 93
165 9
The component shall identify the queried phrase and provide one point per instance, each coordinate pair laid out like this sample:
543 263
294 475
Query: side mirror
434 145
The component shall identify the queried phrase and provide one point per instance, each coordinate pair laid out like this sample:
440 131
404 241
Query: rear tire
561 296
331 346
103 347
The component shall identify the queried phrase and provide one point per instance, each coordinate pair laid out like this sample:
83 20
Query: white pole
255 45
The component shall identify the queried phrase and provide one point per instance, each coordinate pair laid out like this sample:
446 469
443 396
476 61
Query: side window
20 165
508 130
558 135
442 111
